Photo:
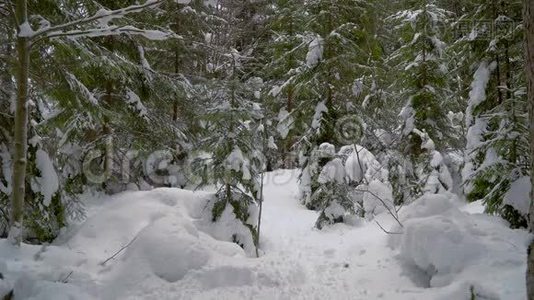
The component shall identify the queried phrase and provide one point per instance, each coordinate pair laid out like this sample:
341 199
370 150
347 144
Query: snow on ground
446 249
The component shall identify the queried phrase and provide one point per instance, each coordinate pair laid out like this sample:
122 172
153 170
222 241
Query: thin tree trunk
176 71
528 19
21 128
497 59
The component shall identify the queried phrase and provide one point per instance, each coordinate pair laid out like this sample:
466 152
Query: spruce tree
287 49
90 79
496 150
231 131
422 85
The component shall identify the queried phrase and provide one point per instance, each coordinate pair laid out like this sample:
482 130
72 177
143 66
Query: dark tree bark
528 19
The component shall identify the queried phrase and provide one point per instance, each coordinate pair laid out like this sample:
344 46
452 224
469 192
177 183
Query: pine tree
21 127
287 49
329 191
422 65
234 161
74 96
496 111
338 50
232 122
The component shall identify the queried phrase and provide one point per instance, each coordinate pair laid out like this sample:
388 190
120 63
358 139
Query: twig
66 279
383 203
118 252
386 231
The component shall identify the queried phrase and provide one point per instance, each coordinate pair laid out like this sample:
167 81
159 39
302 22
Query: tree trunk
528 19
21 128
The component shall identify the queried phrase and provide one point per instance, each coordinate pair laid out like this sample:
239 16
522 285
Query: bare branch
66 279
394 215
119 251
386 231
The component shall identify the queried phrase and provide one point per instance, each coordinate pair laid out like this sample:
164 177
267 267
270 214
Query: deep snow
445 249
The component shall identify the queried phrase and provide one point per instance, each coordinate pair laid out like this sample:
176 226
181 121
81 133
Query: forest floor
153 245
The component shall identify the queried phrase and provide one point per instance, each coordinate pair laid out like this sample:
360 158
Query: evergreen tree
328 188
338 50
421 62
234 161
90 80
232 121
496 150
287 49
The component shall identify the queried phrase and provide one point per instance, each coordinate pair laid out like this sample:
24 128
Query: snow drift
161 244
133 239
450 247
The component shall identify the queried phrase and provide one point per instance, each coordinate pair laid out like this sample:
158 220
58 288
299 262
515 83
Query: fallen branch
66 279
386 231
118 252
394 215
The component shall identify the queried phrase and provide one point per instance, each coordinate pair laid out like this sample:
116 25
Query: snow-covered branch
103 16
112 30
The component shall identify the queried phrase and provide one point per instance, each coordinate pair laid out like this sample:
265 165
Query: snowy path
338 262
341 261
299 261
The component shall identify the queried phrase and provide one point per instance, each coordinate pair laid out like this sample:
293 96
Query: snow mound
169 249
131 241
449 245
441 246
162 244
428 205
172 238
33 289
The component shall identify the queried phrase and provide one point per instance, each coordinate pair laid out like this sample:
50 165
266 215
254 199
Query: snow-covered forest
266 149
